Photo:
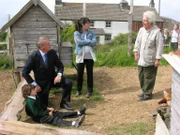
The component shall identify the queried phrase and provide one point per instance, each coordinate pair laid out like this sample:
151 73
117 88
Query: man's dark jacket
44 75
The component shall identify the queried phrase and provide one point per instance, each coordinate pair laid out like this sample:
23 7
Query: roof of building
98 31
25 8
106 12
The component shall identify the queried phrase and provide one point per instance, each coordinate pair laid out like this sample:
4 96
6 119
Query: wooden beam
21 128
161 128
14 106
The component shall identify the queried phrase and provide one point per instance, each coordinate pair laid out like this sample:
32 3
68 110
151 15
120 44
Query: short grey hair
151 16
41 41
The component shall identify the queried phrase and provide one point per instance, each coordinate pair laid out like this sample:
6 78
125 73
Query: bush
3 47
134 35
68 33
114 56
5 62
3 37
122 39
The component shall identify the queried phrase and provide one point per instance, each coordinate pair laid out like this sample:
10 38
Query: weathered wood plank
174 60
33 36
2 43
28 39
66 44
14 106
66 56
36 32
20 64
32 29
35 25
67 62
173 131
161 128
175 118
21 128
36 17
64 51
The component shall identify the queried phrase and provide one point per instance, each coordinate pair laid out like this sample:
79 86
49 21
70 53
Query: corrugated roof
108 12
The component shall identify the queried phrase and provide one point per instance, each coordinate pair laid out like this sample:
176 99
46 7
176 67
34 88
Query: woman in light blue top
85 40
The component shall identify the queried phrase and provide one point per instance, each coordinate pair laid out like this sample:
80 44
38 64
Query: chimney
59 2
124 5
152 4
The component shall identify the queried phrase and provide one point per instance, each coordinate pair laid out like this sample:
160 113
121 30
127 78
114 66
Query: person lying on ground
42 114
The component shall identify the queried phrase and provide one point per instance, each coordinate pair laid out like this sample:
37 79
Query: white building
108 20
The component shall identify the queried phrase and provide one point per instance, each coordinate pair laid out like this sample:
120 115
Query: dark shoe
78 93
88 95
66 106
82 110
140 95
79 121
143 98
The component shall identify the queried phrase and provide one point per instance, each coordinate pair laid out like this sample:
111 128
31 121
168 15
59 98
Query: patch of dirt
119 88
7 87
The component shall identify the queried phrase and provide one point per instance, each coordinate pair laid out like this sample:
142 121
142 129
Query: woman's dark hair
80 22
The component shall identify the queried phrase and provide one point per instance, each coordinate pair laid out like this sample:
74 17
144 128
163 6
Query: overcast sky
168 8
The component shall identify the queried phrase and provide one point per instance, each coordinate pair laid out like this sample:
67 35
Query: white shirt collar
32 97
42 53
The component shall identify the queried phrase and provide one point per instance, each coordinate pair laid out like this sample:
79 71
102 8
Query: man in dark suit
43 63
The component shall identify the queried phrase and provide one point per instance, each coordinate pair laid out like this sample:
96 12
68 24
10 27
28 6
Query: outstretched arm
27 69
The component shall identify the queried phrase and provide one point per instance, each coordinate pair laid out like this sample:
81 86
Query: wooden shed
31 22
174 61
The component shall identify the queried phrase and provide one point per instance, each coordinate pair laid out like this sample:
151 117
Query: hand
38 88
57 79
156 64
136 57
51 109
96 46
50 114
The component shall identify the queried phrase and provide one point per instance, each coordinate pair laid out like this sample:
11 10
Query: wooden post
59 41
84 9
130 21
159 10
8 36
17 77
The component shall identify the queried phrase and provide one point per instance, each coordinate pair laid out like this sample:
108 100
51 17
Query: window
108 24
98 39
107 38
92 24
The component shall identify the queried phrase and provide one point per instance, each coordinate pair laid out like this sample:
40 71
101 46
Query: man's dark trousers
147 78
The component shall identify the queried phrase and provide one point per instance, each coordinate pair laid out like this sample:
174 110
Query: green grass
113 56
96 96
137 128
116 56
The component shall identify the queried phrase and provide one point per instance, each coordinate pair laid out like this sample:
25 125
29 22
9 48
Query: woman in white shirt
175 37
